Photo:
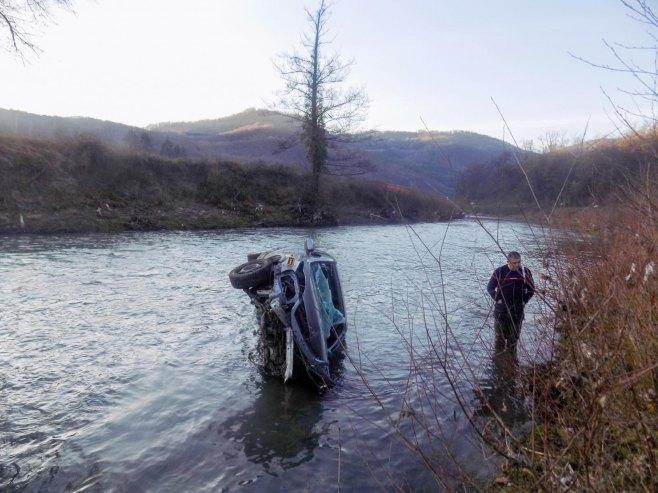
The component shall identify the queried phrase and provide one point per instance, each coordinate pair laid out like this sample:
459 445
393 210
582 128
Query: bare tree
314 97
18 18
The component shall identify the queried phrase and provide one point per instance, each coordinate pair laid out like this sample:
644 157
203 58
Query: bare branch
17 17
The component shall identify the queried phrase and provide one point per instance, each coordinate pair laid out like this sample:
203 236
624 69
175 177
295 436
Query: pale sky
147 61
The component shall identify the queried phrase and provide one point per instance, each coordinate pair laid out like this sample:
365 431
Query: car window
323 281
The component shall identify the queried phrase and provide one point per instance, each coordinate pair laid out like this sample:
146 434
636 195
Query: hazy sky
146 61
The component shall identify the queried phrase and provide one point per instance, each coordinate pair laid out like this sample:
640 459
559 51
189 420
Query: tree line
582 175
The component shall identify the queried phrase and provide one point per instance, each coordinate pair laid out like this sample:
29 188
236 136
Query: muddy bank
109 219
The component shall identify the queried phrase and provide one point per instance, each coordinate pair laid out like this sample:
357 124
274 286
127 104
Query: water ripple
124 359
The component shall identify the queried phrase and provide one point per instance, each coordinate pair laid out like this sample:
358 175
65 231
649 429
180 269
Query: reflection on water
124 360
280 425
500 393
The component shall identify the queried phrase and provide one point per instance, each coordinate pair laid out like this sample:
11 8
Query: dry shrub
72 179
596 422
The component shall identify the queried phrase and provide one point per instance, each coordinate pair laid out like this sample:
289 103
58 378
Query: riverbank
580 218
106 219
84 186
595 404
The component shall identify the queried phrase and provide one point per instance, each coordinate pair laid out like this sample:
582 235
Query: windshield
324 279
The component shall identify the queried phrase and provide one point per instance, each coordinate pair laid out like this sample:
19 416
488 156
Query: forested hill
421 160
411 159
595 173
251 118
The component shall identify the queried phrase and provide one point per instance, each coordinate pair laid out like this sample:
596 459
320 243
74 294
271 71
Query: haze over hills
14 122
411 159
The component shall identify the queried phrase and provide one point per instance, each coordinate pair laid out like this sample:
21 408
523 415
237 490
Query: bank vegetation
594 404
82 185
586 174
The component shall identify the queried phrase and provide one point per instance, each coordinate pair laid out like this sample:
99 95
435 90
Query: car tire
253 256
251 274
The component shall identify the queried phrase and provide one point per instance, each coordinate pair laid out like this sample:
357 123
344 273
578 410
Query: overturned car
300 308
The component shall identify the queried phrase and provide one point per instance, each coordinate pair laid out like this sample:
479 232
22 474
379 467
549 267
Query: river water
125 360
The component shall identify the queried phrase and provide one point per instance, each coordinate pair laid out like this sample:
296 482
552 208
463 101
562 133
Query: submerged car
300 307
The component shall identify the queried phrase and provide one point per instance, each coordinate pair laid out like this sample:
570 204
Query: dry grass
82 185
596 426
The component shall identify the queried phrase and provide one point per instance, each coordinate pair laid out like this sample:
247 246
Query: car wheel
251 274
253 256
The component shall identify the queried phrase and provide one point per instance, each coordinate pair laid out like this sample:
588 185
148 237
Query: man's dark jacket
510 291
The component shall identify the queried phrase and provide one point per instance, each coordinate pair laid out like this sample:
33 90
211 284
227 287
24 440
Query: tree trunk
316 142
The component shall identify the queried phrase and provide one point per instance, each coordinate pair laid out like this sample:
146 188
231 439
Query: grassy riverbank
84 186
593 416
595 404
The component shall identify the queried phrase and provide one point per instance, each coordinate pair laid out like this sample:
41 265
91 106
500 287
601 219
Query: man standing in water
511 286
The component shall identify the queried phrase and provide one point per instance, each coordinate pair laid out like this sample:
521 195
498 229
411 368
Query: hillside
82 185
410 159
20 123
594 173
251 118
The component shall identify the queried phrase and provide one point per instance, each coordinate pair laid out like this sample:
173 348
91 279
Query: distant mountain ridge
14 122
429 162
251 117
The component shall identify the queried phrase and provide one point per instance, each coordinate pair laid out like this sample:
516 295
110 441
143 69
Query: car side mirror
310 245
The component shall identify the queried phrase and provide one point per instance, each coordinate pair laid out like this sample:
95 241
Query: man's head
514 260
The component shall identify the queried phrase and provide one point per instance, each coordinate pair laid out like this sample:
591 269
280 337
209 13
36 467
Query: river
125 360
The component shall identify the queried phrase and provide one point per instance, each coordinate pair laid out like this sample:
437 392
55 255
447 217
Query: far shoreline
45 225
